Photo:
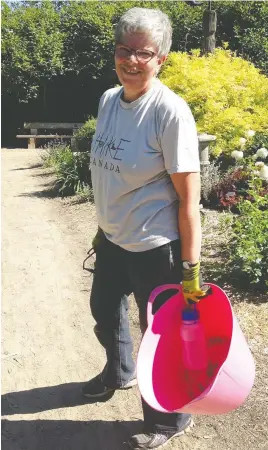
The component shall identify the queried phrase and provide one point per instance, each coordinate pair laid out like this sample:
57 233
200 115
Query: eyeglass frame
132 51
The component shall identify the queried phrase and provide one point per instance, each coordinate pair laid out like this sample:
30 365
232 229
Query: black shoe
95 388
156 440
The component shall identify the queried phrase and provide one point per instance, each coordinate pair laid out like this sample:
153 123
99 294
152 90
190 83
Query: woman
145 175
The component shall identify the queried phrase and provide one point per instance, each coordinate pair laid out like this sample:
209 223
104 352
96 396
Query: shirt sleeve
179 142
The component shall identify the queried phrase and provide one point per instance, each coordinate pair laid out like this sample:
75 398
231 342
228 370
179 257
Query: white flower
262 153
264 173
237 155
256 172
250 133
259 163
242 141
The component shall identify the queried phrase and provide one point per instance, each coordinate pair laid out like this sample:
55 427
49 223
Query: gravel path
48 345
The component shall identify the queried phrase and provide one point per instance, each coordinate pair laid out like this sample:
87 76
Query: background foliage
248 252
85 134
71 169
57 56
32 47
227 95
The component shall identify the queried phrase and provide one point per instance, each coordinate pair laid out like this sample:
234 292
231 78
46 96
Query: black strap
90 253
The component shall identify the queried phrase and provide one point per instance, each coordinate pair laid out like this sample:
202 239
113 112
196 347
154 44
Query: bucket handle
153 296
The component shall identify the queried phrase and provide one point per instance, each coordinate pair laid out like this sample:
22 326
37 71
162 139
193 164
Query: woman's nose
133 57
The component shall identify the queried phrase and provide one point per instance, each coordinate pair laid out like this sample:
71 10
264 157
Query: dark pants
119 273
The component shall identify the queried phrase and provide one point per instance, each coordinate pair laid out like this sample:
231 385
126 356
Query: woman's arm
187 186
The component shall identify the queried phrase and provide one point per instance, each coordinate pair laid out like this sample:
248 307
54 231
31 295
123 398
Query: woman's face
136 73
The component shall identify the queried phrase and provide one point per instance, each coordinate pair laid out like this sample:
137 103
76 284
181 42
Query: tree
244 25
88 37
32 48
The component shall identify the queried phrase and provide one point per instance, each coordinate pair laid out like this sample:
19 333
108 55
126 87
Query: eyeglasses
142 56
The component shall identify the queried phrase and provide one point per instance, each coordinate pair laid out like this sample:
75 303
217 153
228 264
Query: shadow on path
48 193
59 434
34 166
48 190
67 434
45 399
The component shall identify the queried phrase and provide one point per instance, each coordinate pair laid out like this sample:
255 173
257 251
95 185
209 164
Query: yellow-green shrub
228 95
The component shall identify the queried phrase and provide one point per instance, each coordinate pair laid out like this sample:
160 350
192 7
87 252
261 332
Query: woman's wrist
186 264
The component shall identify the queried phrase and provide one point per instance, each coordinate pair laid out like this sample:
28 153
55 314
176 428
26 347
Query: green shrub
248 252
85 134
51 153
71 169
228 95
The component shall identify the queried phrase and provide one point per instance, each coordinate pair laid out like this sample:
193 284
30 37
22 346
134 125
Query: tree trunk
209 29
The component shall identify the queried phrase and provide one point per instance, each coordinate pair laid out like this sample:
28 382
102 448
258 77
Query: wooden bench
37 127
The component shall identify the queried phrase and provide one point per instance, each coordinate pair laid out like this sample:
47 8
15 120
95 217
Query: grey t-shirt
134 150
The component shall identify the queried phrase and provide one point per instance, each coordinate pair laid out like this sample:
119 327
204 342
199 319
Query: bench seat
36 129
45 136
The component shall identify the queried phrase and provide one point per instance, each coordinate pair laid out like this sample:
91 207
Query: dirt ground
48 345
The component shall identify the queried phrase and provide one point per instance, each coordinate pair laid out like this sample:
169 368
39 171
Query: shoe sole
129 385
100 395
187 429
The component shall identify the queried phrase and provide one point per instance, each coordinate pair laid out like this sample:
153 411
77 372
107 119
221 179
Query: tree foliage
88 37
45 38
244 25
58 55
32 45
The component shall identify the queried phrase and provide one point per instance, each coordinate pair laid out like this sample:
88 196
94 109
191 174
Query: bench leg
31 142
73 144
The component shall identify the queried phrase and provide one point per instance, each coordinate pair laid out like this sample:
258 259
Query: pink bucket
164 382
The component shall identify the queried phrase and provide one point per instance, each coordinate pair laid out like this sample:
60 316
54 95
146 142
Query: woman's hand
191 289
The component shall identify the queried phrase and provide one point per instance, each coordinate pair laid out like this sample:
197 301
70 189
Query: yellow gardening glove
191 289
97 239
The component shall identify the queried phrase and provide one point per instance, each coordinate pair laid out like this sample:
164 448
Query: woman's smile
130 71
136 64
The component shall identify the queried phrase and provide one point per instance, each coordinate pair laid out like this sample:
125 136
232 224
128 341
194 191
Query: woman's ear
160 61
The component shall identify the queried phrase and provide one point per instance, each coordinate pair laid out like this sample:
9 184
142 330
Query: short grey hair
153 22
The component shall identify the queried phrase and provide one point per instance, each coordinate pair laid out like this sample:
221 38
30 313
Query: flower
259 163
237 155
250 133
262 153
264 173
242 141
